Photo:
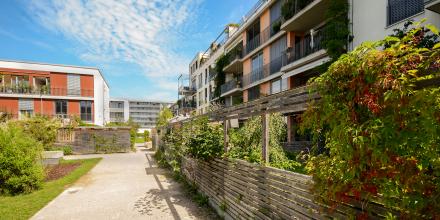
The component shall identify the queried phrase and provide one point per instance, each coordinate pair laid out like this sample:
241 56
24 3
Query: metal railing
46 91
305 47
263 36
230 85
264 71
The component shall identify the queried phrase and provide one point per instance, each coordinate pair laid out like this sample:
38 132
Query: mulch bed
55 172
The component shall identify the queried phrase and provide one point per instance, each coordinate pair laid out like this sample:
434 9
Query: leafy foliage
41 128
246 142
164 116
220 79
207 140
336 30
20 155
381 131
147 136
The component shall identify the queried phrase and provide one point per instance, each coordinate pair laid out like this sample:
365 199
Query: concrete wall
369 20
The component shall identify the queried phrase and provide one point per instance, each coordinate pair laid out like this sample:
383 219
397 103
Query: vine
381 132
222 62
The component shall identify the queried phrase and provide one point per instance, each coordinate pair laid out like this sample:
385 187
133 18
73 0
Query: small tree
164 116
146 136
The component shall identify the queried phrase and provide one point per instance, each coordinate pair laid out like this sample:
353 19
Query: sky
141 46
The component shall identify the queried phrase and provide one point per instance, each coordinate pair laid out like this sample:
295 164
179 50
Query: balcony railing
305 47
46 91
230 85
293 7
256 75
266 70
263 36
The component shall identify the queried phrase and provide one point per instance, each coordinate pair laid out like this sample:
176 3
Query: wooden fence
251 191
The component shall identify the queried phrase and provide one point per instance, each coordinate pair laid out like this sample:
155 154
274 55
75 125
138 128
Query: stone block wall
89 140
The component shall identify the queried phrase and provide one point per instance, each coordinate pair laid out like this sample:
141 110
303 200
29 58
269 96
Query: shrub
41 129
147 136
206 141
382 130
20 155
246 142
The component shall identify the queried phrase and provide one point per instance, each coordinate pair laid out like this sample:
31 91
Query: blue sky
140 45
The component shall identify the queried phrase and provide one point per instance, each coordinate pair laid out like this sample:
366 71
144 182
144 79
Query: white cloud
144 32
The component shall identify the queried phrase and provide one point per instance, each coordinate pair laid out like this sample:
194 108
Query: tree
164 116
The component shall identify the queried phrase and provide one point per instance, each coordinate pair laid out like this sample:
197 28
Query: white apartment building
143 112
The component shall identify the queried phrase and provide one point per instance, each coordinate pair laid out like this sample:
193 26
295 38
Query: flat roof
31 65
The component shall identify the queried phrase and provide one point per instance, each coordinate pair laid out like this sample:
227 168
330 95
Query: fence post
265 136
225 136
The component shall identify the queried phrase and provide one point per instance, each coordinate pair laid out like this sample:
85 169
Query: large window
86 110
401 9
61 108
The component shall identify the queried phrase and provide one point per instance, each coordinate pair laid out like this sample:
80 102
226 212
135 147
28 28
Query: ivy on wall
220 79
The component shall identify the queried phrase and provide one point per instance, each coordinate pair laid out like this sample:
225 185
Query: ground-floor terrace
52 107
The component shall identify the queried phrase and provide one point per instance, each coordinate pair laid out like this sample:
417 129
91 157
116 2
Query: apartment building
28 88
278 44
143 112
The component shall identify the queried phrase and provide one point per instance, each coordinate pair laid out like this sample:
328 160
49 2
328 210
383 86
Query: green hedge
20 167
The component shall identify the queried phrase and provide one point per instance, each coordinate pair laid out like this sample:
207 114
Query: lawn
25 206
140 140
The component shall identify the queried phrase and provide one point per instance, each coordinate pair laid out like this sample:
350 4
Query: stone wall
88 140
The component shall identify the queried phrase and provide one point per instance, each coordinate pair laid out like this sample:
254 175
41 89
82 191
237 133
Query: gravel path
124 186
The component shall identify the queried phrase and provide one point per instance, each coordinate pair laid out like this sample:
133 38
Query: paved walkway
124 186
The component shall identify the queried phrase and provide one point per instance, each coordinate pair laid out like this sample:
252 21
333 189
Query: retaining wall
88 140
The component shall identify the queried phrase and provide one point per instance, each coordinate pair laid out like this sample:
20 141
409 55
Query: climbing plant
221 62
246 142
336 30
381 130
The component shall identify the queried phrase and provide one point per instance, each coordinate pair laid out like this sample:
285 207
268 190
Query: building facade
143 112
279 43
53 90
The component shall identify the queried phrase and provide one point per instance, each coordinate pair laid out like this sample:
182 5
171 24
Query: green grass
140 140
25 206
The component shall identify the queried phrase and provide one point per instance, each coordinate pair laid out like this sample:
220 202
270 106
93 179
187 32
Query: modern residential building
28 88
143 112
278 44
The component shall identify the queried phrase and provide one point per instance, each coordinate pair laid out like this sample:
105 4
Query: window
86 110
275 86
401 9
61 108
257 68
25 114
254 93
206 76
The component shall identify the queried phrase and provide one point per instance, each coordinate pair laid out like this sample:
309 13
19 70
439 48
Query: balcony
231 87
234 60
45 91
264 72
304 14
305 47
185 90
433 5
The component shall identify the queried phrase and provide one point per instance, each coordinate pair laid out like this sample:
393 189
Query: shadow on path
169 191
